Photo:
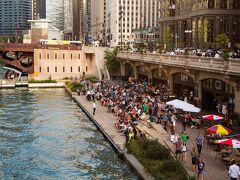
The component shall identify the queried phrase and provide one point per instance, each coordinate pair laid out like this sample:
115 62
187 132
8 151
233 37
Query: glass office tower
14 16
39 9
55 13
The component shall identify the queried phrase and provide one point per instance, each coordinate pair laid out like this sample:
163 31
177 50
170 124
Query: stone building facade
186 19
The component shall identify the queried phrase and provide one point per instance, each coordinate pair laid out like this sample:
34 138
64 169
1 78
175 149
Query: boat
11 55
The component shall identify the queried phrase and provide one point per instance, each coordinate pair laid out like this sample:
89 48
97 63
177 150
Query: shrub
42 81
73 86
92 79
155 151
157 159
66 78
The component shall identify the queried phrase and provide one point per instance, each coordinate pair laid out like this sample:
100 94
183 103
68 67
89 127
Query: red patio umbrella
235 143
212 117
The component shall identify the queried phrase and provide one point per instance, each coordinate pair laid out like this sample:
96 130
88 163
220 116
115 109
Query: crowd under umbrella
187 107
235 143
219 129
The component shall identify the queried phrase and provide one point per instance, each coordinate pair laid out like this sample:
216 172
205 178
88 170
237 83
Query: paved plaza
214 169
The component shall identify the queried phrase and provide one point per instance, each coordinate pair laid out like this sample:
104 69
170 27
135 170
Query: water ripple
44 135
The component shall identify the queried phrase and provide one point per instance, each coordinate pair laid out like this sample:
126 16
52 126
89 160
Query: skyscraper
68 18
14 16
55 13
77 18
136 14
39 9
97 19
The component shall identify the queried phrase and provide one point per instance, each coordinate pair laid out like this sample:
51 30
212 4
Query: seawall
111 134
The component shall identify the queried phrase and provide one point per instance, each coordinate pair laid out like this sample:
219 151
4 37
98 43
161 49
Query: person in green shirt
145 108
184 137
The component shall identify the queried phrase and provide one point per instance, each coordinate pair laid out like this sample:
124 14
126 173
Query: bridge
21 56
210 79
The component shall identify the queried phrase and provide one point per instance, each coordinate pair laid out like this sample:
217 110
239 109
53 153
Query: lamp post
176 40
188 32
120 18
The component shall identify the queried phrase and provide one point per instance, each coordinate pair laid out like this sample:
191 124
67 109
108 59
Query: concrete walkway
107 120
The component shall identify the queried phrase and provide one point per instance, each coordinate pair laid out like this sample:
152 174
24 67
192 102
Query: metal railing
209 63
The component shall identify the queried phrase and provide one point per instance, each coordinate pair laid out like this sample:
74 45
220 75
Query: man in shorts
178 148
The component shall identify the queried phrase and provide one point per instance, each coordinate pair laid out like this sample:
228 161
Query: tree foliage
167 37
222 41
111 60
203 33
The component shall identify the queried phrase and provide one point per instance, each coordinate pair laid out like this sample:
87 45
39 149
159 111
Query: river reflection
44 135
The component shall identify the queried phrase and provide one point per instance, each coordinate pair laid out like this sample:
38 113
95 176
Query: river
45 135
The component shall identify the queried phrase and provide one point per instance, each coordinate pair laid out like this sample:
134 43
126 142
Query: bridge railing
210 63
31 47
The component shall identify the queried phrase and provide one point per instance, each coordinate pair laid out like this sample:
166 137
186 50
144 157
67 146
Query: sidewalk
107 120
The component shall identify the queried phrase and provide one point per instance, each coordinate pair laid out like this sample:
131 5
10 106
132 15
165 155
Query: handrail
205 63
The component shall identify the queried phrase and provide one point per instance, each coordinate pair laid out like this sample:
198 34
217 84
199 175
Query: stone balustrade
231 66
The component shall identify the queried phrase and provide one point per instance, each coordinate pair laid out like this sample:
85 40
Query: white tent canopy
183 105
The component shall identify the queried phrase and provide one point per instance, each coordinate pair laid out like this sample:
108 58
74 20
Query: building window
71 69
222 26
55 56
210 31
236 4
86 69
47 56
55 69
78 68
71 56
79 56
40 56
40 69
211 4
223 4
63 56
47 69
63 69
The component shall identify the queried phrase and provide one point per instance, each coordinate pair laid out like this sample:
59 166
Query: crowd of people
138 102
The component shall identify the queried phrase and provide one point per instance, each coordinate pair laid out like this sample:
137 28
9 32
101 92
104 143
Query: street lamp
176 40
120 18
187 32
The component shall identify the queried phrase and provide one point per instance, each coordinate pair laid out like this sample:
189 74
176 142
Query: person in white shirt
234 171
94 107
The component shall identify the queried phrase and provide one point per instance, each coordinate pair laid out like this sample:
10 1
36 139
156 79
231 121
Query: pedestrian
234 171
184 151
78 91
172 130
200 169
184 124
184 137
178 149
94 107
199 142
165 121
194 155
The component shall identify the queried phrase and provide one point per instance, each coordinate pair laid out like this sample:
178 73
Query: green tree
203 33
111 61
167 37
222 41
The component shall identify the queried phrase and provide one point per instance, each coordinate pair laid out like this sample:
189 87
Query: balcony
218 65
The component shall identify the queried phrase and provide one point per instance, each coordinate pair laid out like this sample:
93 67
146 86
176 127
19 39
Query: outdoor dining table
229 159
225 152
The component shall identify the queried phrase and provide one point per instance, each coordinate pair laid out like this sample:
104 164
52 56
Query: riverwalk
107 120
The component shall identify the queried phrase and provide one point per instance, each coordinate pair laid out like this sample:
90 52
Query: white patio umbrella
183 105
